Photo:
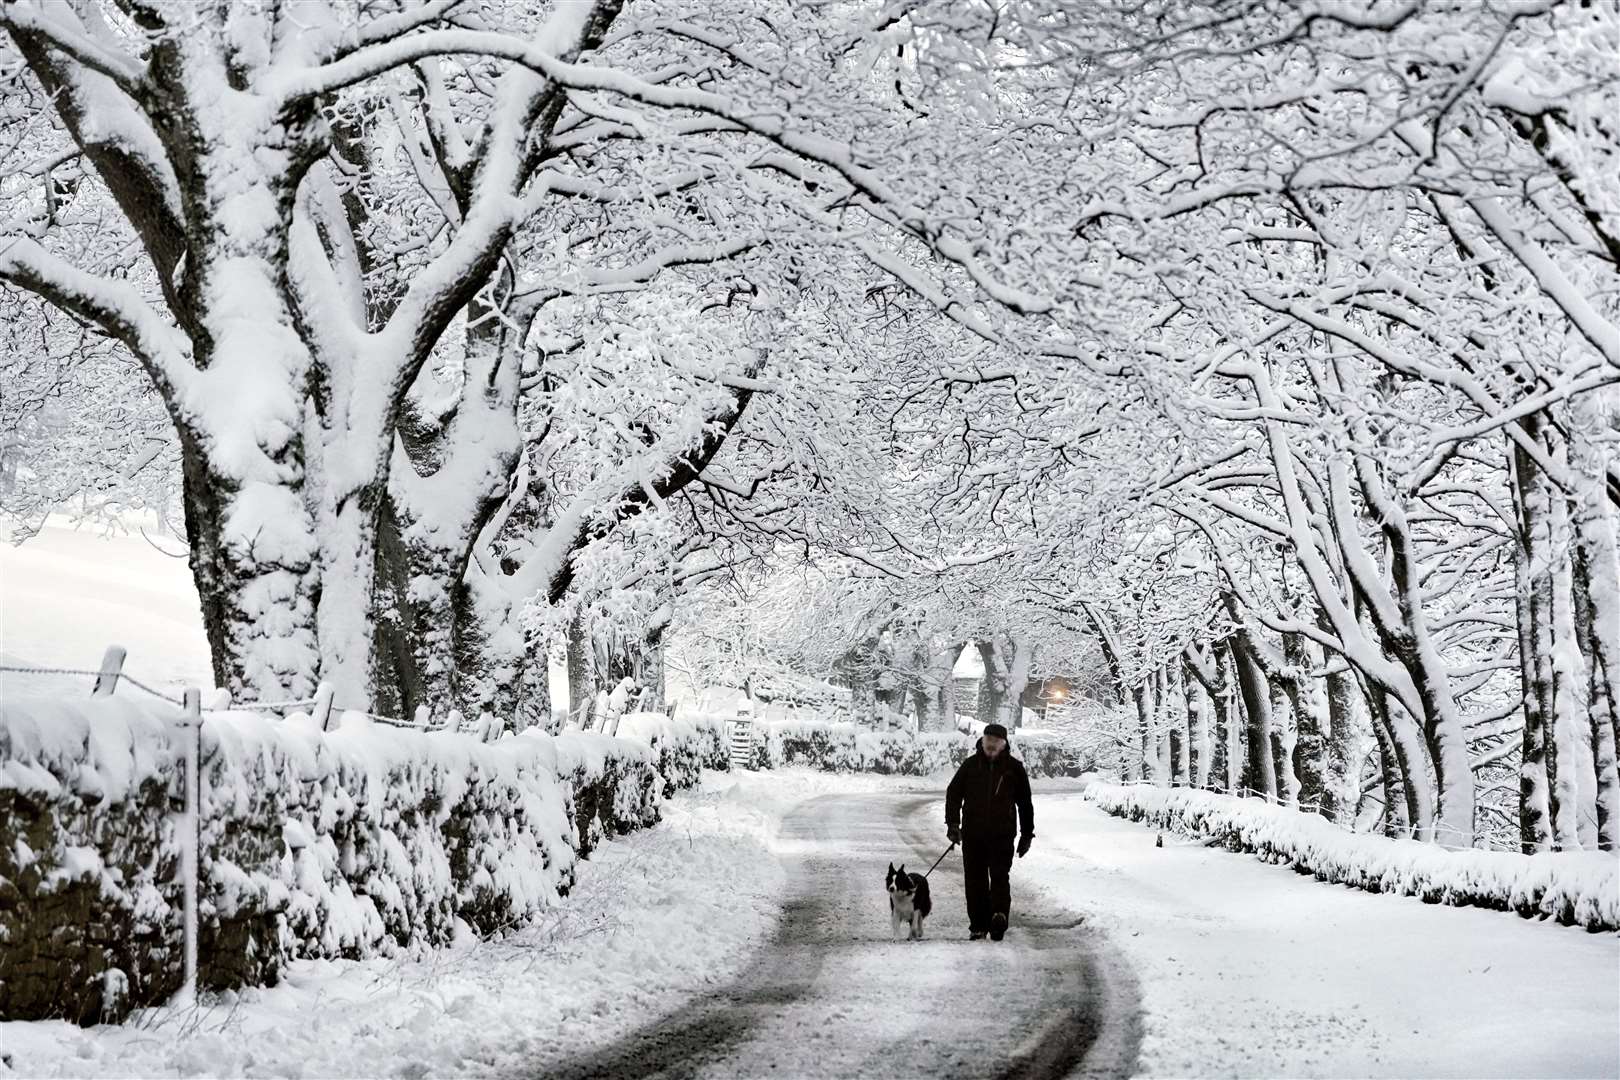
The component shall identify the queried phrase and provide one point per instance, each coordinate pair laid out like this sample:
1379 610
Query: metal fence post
112 666
191 833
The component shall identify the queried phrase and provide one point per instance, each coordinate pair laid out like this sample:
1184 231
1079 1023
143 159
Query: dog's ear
891 869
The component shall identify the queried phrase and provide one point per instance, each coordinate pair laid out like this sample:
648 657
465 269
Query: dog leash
941 858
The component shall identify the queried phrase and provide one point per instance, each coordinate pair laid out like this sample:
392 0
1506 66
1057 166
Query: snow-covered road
832 995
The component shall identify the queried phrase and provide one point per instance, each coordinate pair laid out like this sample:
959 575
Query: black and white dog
908 901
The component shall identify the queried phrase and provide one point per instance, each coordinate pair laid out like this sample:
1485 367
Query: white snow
655 918
1577 887
67 594
1248 969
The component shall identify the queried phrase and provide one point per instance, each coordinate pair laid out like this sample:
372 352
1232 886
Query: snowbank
366 840
1247 969
586 973
1575 888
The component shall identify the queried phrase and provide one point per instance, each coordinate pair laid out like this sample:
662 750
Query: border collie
908 901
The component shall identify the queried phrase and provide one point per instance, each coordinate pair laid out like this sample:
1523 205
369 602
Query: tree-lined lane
832 995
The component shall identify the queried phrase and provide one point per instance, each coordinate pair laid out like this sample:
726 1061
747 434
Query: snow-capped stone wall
1580 888
359 841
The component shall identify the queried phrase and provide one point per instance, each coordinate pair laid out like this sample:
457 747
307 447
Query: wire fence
112 674
29 669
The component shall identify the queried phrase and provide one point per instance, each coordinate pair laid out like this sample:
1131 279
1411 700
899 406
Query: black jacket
985 794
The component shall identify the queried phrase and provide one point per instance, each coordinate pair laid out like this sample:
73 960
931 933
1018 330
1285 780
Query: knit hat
995 729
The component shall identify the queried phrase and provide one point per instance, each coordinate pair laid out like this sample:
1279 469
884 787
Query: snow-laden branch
645 480
594 280
386 28
1603 334
115 306
1399 360
22 17
542 58
1549 276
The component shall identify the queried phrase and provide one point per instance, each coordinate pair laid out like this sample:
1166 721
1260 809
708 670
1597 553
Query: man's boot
998 926
975 935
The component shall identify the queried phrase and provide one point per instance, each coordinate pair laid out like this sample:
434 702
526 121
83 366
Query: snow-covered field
657 917
1248 969
67 594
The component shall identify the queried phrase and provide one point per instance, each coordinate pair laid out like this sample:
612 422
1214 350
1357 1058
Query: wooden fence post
191 833
322 712
112 666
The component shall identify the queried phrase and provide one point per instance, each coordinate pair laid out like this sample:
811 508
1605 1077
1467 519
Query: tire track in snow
831 995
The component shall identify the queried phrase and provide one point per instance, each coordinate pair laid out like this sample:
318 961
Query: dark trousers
986 862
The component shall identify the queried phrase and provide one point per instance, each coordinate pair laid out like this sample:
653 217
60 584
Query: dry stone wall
360 841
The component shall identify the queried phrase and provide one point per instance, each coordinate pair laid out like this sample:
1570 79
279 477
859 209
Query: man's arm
1026 804
953 801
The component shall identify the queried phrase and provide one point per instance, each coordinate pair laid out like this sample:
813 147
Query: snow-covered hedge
834 747
354 842
1580 888
847 747
684 747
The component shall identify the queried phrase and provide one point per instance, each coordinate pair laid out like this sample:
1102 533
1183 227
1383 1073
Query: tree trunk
1597 580
947 698
581 684
1397 795
1223 752
1012 703
1259 772
1162 726
1573 772
1412 644
1533 606
990 686
1177 717
1311 724
254 559
1147 747
1348 720
1283 741
1198 725
449 480
400 686
647 667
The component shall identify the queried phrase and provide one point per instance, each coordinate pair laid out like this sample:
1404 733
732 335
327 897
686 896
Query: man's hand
1023 844
953 834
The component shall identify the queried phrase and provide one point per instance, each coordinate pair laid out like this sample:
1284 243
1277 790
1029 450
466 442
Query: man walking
986 805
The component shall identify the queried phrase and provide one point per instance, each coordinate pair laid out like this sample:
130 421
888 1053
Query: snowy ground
1247 969
833 995
67 594
1242 969
658 917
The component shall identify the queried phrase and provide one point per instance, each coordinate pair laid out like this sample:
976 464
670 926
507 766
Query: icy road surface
832 995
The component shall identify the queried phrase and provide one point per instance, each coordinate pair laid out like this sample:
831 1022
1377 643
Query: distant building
967 676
